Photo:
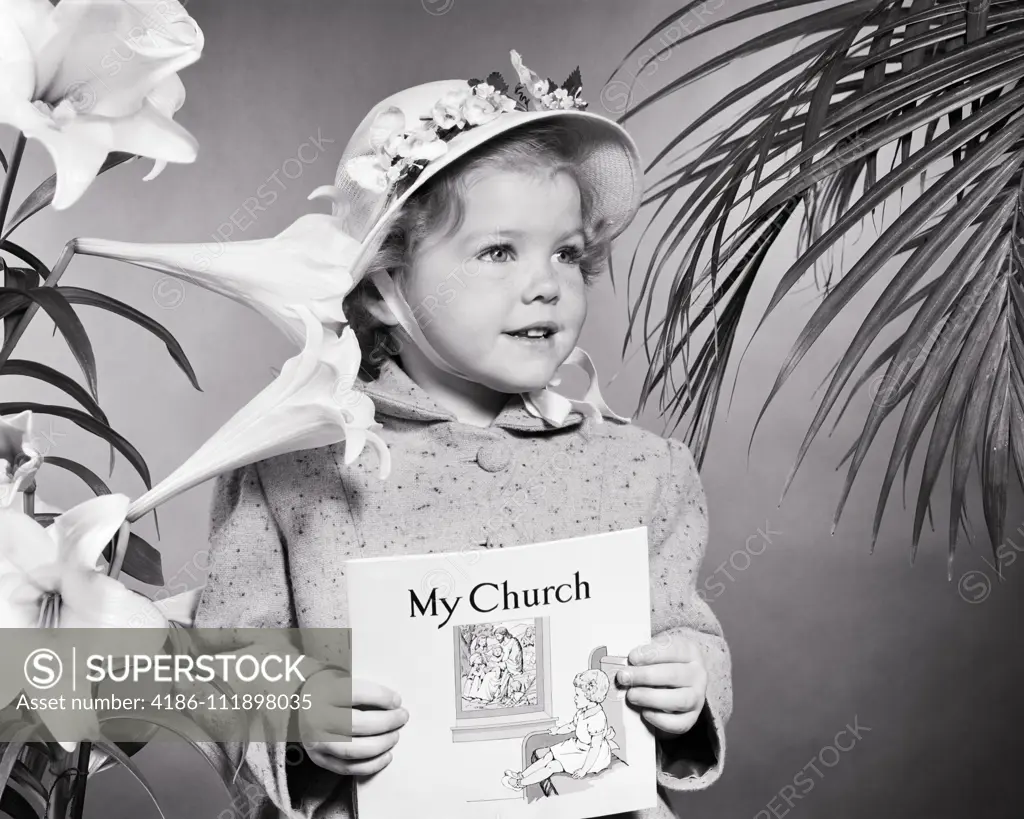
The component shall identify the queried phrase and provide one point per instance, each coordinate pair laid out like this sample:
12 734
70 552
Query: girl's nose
543 284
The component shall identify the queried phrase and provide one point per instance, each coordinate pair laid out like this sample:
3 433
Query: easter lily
19 459
310 404
307 263
180 608
49 578
88 77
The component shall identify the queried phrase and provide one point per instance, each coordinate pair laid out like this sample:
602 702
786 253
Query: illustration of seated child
588 751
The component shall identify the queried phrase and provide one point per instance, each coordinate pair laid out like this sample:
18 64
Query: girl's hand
371 717
579 775
668 683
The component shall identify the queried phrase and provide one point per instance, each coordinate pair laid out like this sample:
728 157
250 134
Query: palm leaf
936 81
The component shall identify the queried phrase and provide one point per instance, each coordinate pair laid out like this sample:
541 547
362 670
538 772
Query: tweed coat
281 530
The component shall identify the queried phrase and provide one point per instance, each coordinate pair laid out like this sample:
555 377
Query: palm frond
938 83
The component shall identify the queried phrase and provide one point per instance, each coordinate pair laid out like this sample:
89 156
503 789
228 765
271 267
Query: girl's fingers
370 695
670 723
360 722
356 749
664 648
663 675
361 767
673 700
369 723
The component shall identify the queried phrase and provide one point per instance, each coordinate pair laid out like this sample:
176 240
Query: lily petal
28 547
95 600
302 408
308 263
83 532
148 132
180 608
17 65
78 147
117 53
167 98
89 77
69 725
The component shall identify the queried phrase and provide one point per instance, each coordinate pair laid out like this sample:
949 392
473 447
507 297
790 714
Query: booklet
506 661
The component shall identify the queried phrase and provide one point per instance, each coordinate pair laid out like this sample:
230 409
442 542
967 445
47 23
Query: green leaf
89 424
29 259
91 479
16 806
497 81
29 788
11 750
43 195
141 561
58 309
33 369
80 295
112 749
193 733
574 83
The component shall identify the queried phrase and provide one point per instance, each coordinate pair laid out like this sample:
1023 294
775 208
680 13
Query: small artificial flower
480 110
447 112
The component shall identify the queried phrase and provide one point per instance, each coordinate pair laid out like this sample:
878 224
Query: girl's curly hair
594 684
547 146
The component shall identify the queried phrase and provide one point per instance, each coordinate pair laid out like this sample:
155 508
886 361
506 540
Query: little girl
588 751
484 214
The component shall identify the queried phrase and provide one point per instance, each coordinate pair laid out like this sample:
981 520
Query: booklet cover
506 661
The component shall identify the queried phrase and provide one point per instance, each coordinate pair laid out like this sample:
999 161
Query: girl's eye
499 249
572 254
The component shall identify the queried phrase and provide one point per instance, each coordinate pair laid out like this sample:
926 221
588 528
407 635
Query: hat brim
478 135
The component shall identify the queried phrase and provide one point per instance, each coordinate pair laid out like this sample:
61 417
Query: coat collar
396 395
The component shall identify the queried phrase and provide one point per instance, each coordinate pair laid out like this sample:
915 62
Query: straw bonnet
409 137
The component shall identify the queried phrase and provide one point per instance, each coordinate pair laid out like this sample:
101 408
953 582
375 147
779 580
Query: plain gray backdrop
824 634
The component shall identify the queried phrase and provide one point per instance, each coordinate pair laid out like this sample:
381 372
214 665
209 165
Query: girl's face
512 263
581 699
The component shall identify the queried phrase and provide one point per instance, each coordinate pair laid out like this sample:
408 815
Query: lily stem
12 174
78 798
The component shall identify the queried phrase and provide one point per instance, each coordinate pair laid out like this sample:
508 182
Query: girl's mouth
537 334
533 338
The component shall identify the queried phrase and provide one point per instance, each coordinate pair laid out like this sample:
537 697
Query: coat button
494 456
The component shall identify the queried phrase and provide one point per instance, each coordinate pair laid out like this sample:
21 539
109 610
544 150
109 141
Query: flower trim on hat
401 154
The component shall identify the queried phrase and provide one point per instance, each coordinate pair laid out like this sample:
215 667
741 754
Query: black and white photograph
549 409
